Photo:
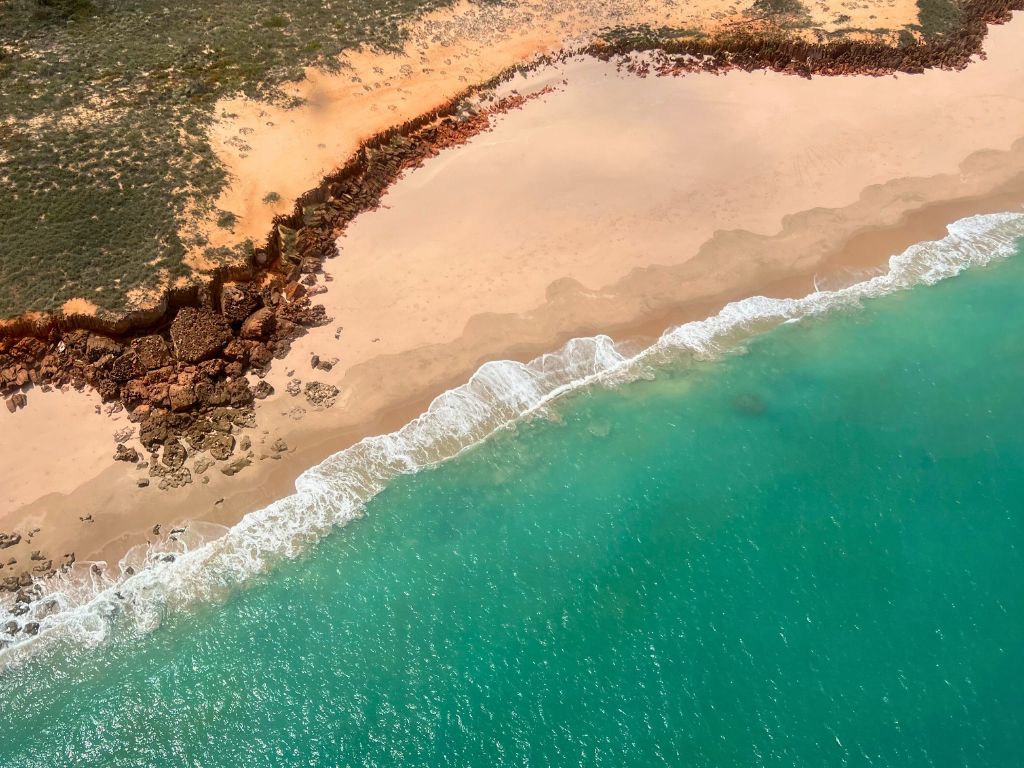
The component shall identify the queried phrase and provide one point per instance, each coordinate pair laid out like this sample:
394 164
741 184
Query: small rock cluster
170 381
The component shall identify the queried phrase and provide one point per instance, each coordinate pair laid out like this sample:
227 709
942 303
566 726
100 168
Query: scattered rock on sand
174 455
202 464
124 453
294 387
236 466
142 482
175 479
220 446
245 443
321 395
297 412
262 390
279 446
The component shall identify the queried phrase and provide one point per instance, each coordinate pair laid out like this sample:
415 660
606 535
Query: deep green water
806 555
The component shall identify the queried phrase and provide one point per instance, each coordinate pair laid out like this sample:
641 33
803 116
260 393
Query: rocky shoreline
750 51
183 382
179 370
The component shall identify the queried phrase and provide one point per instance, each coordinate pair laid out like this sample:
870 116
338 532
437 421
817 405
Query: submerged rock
750 404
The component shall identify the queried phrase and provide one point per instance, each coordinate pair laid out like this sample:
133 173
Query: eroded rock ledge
183 379
771 49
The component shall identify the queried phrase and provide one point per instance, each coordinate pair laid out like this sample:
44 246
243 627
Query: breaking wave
205 562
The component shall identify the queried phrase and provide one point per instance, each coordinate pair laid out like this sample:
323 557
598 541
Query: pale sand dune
554 225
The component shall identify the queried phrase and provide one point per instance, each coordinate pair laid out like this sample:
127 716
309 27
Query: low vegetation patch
104 111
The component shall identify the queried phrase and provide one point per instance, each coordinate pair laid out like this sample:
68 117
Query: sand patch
274 153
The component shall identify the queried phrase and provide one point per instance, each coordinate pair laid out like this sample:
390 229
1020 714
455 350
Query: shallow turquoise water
806 555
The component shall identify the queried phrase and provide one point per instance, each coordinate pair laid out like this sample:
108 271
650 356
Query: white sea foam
83 605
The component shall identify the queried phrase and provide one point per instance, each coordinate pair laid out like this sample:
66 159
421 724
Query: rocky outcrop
237 302
152 351
260 325
199 334
772 48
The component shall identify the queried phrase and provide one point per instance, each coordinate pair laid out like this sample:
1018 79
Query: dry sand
287 150
615 204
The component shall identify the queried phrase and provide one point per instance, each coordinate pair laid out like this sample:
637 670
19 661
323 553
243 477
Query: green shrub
938 17
276 21
271 197
83 207
791 8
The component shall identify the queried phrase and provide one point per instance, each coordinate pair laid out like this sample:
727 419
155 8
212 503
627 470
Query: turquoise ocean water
809 552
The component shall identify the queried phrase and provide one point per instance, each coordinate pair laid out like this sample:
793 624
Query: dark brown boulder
153 431
212 368
199 334
220 446
294 291
108 389
165 374
239 392
260 357
237 351
262 390
213 395
100 346
174 455
152 351
182 397
237 303
301 313
135 393
260 324
158 393
127 366
140 414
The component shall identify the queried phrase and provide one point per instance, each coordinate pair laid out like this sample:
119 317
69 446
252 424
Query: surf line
173 576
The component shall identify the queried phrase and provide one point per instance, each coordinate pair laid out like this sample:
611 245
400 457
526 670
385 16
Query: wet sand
617 205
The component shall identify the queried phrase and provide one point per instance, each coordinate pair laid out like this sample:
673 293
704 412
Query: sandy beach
613 204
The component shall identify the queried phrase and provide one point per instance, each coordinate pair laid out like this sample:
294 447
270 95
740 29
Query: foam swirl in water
83 607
